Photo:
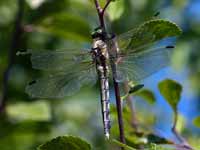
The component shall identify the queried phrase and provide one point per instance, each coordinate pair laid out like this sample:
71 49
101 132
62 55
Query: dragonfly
131 56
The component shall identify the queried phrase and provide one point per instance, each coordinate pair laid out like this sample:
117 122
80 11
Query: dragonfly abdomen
105 98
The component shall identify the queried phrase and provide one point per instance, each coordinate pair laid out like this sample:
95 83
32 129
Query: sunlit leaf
147 95
196 121
116 9
46 9
8 9
171 91
34 111
135 141
65 143
35 3
135 88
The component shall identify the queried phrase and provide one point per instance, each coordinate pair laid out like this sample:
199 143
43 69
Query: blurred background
51 24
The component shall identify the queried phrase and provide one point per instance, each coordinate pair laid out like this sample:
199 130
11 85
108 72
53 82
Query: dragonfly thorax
101 48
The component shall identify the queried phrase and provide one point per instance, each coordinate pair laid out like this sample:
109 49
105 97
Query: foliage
62 24
35 111
156 30
147 95
171 91
65 143
122 145
196 121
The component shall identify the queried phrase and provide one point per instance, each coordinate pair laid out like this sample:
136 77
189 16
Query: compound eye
100 31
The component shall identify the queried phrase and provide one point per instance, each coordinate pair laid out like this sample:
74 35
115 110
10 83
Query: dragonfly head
98 33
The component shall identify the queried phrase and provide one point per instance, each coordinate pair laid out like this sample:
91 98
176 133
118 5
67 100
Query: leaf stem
134 121
178 136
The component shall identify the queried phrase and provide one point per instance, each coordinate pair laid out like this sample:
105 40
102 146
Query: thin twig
106 6
119 111
178 136
15 42
175 121
99 11
180 139
129 99
98 7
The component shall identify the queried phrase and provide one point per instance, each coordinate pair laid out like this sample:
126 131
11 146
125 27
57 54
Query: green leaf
171 91
32 111
135 88
116 9
196 121
121 144
136 140
65 143
8 10
146 95
153 138
65 25
154 30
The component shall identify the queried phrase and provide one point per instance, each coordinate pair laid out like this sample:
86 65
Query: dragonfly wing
141 64
58 60
61 84
147 34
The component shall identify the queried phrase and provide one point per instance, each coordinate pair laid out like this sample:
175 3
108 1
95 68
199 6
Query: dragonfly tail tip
107 136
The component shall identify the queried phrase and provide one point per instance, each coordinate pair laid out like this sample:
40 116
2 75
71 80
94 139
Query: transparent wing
59 60
140 64
147 35
135 39
133 51
62 84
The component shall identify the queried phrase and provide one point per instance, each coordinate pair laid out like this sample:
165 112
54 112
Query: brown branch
119 112
106 6
101 11
15 43
98 7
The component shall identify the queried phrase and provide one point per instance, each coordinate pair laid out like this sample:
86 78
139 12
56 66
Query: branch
106 6
98 7
119 112
15 42
99 11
